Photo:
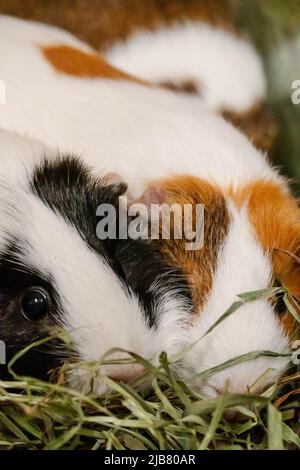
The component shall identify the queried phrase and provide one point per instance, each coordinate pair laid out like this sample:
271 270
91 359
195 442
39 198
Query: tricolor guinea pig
251 242
190 47
60 91
56 273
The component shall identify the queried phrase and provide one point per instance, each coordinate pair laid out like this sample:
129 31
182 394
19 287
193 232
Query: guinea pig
251 239
63 93
191 47
56 273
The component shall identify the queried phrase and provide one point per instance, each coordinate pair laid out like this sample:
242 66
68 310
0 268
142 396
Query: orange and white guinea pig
192 47
60 91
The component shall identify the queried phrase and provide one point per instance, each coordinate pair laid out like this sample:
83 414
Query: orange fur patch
73 61
198 265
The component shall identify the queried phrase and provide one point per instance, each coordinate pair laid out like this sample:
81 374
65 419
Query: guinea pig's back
116 124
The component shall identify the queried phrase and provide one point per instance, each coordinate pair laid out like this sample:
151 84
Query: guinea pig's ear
115 186
112 178
154 194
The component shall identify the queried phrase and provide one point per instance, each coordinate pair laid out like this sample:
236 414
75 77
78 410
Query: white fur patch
226 69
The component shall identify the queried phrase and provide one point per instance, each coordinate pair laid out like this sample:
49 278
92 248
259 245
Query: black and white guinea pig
54 271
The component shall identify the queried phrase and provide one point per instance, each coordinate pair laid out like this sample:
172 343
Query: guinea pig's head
56 272
251 234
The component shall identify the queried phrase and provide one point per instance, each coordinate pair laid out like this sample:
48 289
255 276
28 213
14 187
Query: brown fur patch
275 216
183 86
73 61
259 124
103 22
198 265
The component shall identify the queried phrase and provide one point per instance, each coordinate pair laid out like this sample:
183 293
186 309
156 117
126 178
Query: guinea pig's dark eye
35 303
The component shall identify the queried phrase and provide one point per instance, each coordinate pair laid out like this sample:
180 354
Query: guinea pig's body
59 91
104 22
156 133
191 47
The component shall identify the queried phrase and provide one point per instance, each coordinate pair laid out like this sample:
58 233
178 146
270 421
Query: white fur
142 134
165 134
33 32
242 267
226 68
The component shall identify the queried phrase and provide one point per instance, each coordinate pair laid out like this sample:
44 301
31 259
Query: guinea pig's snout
227 388
125 373
88 381
232 414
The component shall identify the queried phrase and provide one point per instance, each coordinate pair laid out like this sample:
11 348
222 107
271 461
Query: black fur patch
67 187
149 274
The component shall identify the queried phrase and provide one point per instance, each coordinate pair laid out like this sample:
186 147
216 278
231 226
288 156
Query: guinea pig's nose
126 373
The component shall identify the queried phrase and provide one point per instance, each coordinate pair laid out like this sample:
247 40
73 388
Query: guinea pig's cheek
253 327
98 382
253 377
